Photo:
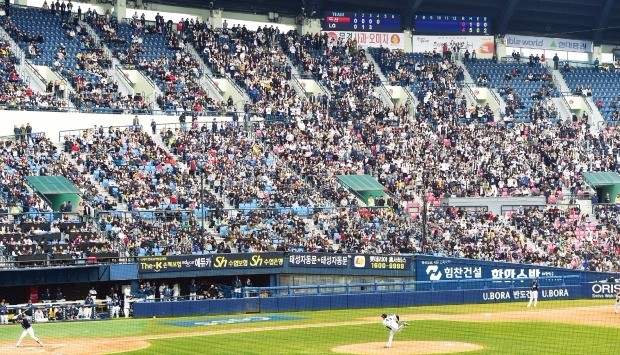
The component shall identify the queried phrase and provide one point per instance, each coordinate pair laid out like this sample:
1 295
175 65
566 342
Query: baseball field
554 327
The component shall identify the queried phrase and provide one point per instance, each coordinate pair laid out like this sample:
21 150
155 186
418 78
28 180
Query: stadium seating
63 43
603 86
160 56
522 86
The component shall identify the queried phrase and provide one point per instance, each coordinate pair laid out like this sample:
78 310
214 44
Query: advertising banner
154 264
248 260
483 45
391 40
339 261
542 43
436 269
381 262
600 290
507 295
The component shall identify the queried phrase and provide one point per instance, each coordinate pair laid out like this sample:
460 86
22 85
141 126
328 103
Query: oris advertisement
600 290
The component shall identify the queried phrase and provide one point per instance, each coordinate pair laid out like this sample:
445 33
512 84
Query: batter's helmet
384 316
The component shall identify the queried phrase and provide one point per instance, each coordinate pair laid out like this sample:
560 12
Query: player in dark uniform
533 293
115 306
4 313
23 319
89 304
193 288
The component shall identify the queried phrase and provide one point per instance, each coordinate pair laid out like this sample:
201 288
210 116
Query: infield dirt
407 347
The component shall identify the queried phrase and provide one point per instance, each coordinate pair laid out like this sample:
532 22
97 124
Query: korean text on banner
484 46
542 43
371 39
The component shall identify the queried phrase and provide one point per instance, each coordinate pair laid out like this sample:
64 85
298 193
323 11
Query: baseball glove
397 318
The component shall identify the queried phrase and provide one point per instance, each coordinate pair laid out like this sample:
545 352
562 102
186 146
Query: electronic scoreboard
361 22
452 24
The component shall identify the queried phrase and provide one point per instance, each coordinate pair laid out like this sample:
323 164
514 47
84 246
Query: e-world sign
542 43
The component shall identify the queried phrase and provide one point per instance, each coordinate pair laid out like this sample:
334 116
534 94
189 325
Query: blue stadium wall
369 300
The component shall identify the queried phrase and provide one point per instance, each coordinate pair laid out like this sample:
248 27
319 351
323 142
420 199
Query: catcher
391 322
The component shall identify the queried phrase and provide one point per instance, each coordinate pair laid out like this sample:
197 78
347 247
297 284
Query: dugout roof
360 183
600 179
55 190
51 185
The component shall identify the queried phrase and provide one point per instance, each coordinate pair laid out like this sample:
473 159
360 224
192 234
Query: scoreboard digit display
452 25
361 22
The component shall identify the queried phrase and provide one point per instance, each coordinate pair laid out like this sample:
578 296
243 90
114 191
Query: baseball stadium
309 177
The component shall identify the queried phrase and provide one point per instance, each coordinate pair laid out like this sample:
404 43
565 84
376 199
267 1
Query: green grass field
318 332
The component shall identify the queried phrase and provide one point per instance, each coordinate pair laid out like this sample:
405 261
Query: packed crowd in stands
38 156
255 61
62 239
131 166
547 236
28 226
165 233
172 67
238 167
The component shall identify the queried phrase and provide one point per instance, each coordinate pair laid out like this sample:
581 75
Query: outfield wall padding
352 301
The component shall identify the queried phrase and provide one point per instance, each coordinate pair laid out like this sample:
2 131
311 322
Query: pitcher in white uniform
391 322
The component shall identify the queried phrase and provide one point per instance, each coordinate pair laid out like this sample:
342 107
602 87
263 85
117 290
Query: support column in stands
120 7
311 25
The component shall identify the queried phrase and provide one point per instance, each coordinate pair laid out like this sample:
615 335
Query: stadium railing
377 287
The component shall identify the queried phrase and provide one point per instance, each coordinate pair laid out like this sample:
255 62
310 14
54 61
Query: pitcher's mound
407 347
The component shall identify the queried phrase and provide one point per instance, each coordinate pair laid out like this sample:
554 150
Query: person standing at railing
29 133
127 299
115 306
193 288
59 295
237 285
88 307
596 65
556 62
4 313
182 120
